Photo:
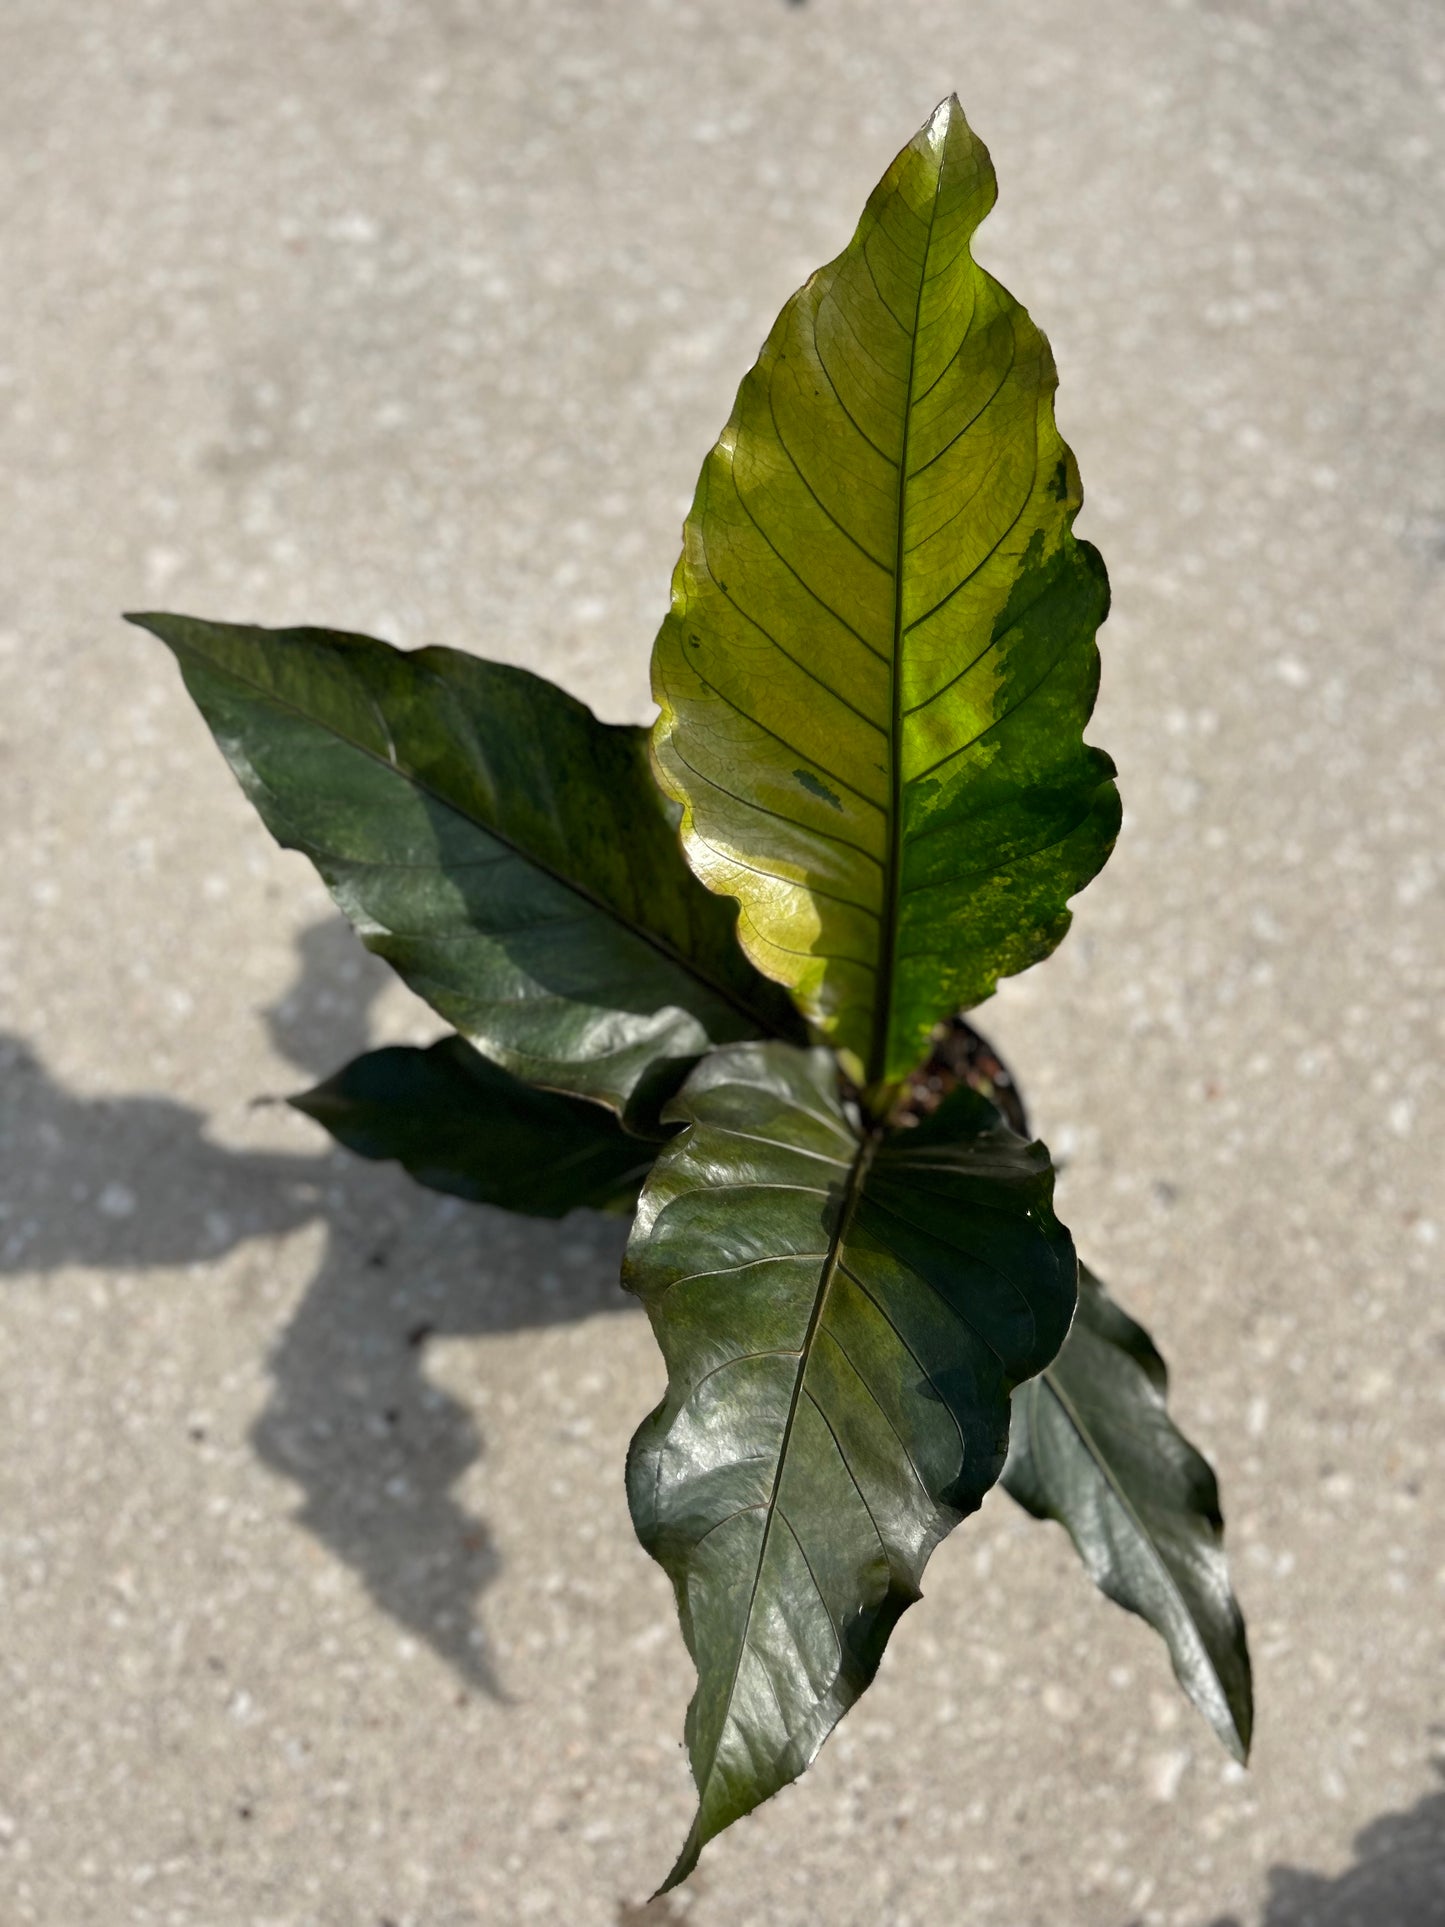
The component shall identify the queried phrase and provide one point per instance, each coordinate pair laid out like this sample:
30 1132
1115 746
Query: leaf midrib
857 1177
403 770
1085 1436
892 882
1235 1739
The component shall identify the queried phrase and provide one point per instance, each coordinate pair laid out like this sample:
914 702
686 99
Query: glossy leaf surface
843 1319
463 1125
880 653
507 852
1094 1447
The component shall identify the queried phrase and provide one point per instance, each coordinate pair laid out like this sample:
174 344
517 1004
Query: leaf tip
309 1103
686 1860
1233 1727
156 623
937 126
1238 1735
946 117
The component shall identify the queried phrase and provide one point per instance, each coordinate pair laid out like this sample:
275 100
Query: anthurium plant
715 973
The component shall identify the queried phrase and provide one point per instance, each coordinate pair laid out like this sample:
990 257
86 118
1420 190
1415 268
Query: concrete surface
320 1603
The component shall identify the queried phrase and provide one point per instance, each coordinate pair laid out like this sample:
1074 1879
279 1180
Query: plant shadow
1397 1878
353 1418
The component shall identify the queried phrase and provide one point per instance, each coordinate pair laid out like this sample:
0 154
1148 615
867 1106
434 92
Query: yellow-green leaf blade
879 659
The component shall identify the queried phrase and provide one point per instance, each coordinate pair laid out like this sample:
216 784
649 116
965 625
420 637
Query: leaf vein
765 809
782 741
847 533
928 1377
853 1476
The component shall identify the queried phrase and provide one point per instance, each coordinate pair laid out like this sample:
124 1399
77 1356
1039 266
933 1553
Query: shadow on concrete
1397 1880
353 1419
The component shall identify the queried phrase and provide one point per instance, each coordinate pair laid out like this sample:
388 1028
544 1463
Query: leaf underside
463 1125
879 658
843 1318
1093 1446
504 850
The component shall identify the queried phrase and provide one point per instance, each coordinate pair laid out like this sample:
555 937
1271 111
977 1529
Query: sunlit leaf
880 654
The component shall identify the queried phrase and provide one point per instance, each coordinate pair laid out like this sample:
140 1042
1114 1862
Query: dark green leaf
843 1319
461 1124
1094 1447
504 850
880 656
